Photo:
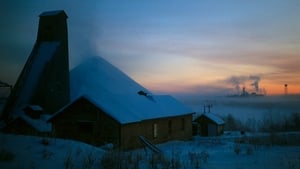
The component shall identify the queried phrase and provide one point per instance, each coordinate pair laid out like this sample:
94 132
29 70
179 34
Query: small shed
33 111
208 124
29 120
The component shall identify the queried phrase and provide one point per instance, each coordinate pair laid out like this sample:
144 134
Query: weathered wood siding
85 122
180 128
129 136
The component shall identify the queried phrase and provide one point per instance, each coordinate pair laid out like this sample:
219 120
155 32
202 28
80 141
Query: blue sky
170 46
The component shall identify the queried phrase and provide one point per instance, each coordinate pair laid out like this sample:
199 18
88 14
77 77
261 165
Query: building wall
212 129
172 128
85 122
108 130
129 136
220 129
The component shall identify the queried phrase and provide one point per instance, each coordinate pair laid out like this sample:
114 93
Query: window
154 130
170 126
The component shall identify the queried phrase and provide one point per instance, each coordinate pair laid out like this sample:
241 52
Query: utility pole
209 106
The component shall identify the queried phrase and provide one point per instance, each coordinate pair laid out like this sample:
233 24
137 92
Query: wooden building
208 124
93 122
109 107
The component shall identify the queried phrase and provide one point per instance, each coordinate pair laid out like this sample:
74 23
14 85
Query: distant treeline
268 123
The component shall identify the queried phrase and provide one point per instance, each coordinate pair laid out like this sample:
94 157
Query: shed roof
216 119
40 124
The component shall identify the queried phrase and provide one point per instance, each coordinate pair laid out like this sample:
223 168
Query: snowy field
28 152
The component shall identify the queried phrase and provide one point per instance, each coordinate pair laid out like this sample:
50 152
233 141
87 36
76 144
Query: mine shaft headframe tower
55 88
53 26
44 79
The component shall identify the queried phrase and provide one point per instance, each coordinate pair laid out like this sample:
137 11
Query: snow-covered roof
135 108
96 75
216 119
40 125
117 94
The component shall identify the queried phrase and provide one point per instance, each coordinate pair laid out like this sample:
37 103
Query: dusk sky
170 46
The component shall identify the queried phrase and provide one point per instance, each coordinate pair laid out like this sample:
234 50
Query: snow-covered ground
223 154
28 152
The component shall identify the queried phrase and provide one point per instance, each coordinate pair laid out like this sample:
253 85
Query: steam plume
255 82
239 82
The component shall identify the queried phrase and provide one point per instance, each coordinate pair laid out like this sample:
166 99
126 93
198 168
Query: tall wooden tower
44 80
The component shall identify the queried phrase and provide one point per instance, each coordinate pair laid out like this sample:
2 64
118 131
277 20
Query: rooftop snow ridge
97 74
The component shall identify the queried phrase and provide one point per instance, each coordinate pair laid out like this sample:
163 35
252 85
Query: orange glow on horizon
280 89
271 89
